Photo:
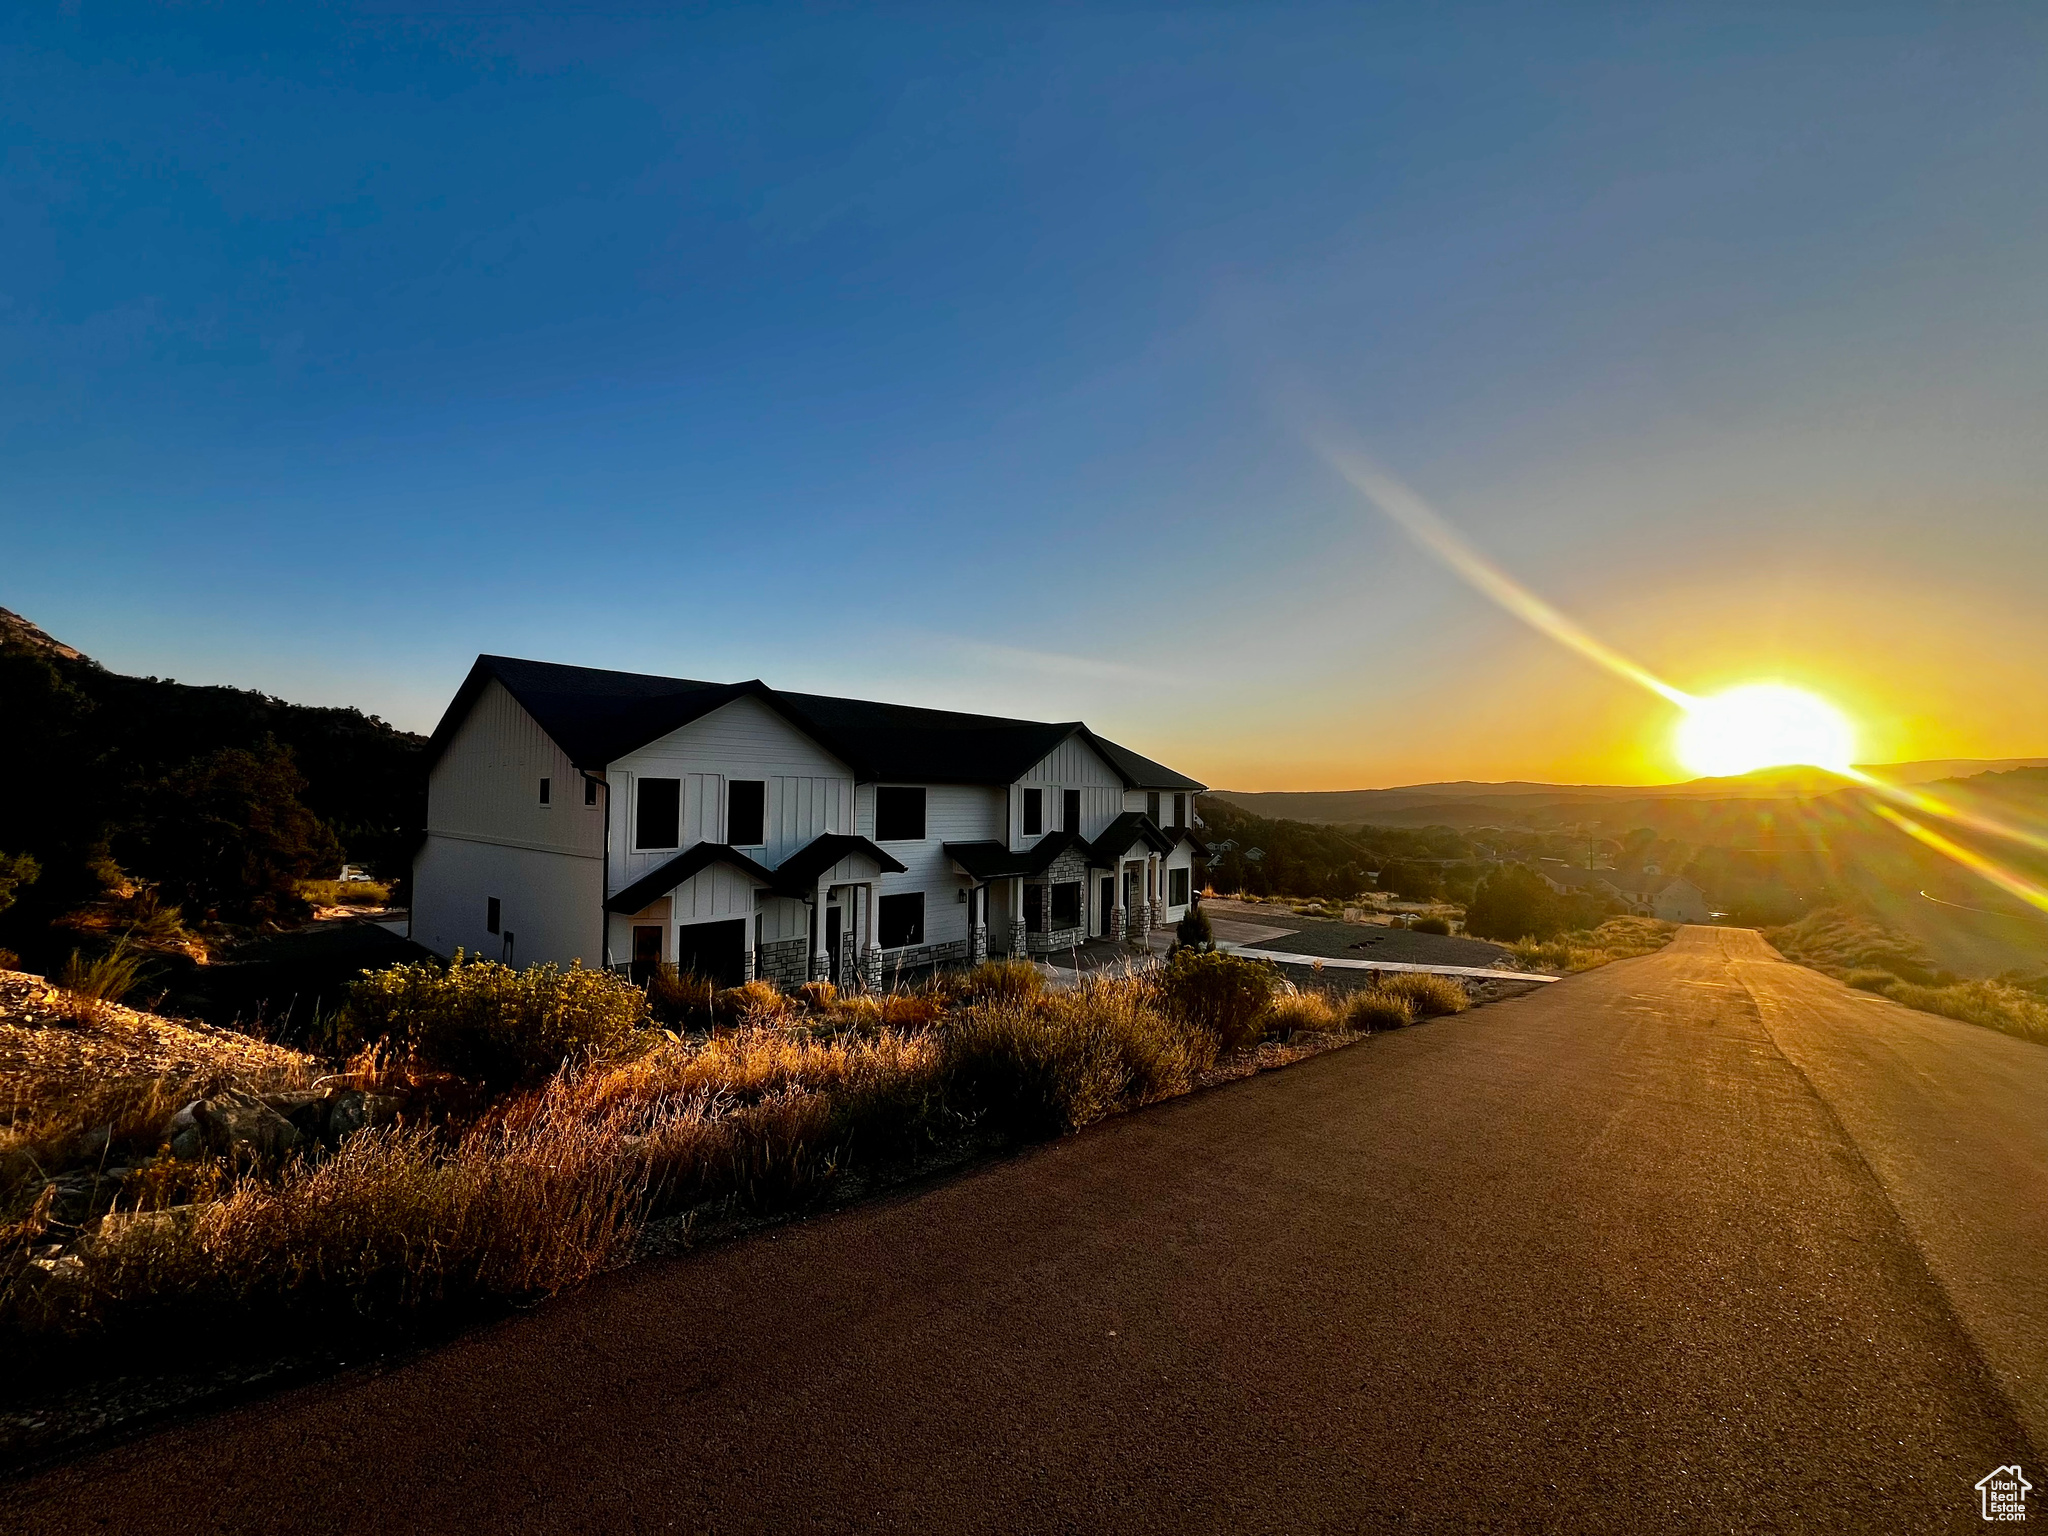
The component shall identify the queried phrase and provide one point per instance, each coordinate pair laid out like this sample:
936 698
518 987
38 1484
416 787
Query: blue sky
969 357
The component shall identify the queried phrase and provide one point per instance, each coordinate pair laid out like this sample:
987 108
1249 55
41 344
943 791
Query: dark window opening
544 787
1034 909
900 919
746 812
1070 809
899 815
1152 805
491 915
660 820
1066 904
590 791
1180 810
1177 887
715 951
1034 812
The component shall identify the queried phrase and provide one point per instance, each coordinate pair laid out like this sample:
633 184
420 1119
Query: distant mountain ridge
1469 802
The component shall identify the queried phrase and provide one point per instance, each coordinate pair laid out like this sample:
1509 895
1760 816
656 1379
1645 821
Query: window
1152 805
1066 904
1070 810
590 791
746 812
899 818
1034 812
901 918
493 915
660 822
1180 810
543 791
1176 887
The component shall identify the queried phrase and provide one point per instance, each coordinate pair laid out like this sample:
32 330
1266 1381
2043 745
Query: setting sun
1763 725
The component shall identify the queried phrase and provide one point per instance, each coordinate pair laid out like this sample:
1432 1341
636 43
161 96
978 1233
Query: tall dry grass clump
1224 994
1429 996
86 987
1371 1009
1029 1069
1299 1011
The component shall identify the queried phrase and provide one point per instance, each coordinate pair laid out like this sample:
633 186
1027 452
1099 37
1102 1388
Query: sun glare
1763 725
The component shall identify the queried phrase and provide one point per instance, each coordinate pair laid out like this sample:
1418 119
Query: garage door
715 951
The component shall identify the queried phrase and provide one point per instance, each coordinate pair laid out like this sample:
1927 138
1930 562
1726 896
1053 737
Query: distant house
626 820
1646 893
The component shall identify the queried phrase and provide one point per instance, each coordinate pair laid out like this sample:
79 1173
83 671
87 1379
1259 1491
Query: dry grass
1375 1008
1619 938
1297 1011
1993 1004
1428 996
1871 957
345 893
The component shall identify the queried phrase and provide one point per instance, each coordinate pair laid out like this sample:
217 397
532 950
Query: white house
624 820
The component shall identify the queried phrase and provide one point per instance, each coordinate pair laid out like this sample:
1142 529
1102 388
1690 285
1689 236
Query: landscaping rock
350 1111
234 1124
74 1195
307 1112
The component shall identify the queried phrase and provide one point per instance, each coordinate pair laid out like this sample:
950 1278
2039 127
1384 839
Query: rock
73 1195
306 1112
231 1123
122 1227
350 1111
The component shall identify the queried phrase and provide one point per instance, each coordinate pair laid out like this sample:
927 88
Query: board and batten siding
1073 764
953 813
489 835
809 791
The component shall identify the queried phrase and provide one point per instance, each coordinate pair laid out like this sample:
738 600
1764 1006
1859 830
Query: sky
990 357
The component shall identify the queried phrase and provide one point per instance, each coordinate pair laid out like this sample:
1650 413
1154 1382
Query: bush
1295 1011
1037 1069
1837 940
1871 981
1375 1008
817 996
88 985
752 1002
1224 994
1430 996
1619 938
1193 930
1992 1004
1430 925
490 1023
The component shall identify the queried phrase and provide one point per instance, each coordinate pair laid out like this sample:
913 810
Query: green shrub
1224 994
490 1023
1430 996
1430 925
1871 981
1375 1008
1193 930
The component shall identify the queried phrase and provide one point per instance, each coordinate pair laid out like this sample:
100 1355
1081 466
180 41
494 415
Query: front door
833 934
646 954
1108 905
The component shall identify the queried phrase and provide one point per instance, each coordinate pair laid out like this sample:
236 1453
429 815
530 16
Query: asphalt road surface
1700 1241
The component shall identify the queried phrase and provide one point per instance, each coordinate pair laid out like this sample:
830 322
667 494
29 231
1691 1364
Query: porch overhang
693 860
798 874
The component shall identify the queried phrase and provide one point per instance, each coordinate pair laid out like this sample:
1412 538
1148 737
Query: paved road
1698 1241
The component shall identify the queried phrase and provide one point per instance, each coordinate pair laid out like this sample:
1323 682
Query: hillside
218 797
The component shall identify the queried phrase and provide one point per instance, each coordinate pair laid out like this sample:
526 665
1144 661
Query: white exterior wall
1073 764
953 813
1134 800
810 792
489 835
717 894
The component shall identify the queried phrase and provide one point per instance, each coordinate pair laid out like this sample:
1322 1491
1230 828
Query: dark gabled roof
902 741
798 874
690 861
996 861
593 715
1131 827
1141 772
597 716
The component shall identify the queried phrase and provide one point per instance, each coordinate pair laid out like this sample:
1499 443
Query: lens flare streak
1984 868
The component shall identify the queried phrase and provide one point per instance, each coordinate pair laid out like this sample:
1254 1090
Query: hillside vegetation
148 807
1857 949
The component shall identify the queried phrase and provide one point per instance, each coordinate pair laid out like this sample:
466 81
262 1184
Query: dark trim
798 874
993 861
697 857
1119 835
